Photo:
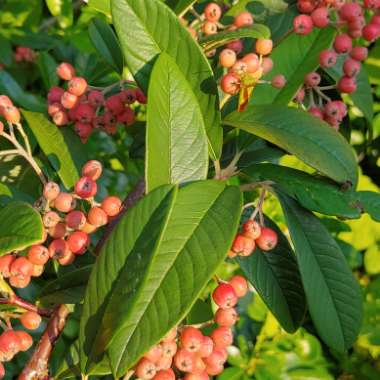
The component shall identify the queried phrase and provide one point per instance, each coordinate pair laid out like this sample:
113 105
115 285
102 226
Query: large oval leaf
20 227
159 257
53 144
303 135
370 202
312 192
332 293
179 6
176 142
276 277
105 42
294 66
153 28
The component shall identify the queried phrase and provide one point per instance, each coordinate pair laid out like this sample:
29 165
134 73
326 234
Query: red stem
38 366
19 302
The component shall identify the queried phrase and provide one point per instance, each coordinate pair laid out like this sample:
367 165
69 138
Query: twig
321 94
25 138
224 101
14 300
135 195
37 367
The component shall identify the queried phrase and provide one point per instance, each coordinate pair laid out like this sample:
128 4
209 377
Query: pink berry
165 374
317 112
115 104
243 19
240 285
351 67
347 85
212 12
169 349
9 345
11 114
225 296
51 191
75 219
239 68
83 130
145 369
140 96
300 95
69 100
252 62
350 11
209 28
222 337
230 84
58 248
226 317
227 58
264 46
97 217
327 58
267 240
38 254
21 267
343 43
54 95
53 108
359 53
336 109
64 202
85 188
183 360
58 231
236 46
92 169
251 229
312 79
60 118
78 242
243 245
320 17
85 113
65 71
303 24
5 265
278 81
25 340
191 339
267 65
96 98
306 6
371 32
207 345
77 86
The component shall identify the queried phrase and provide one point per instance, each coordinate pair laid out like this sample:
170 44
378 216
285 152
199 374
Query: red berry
51 219
305 6
264 46
371 4
51 191
300 95
38 254
67 258
54 95
169 348
92 169
75 219
165 374
64 202
154 354
83 130
227 58
21 267
5 265
207 345
336 109
303 24
191 339
11 114
215 362
97 217
230 84
127 116
213 12
69 100
9 345
85 113
243 246
226 317
96 98
343 43
327 58
252 61
183 360
25 340
320 17
58 231
240 285
225 296
278 81
371 32
347 85
239 68
53 108
115 104
236 46
128 96
111 205
65 71
243 19
312 79
350 11
19 281
359 53
351 67
30 320
145 369
140 96
317 112
78 242
222 337
85 188
251 229
58 248
267 240
77 86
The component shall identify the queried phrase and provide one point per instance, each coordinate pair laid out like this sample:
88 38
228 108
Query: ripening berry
213 12
38 254
154 354
264 46
300 95
191 339
343 43
278 81
165 374
222 337
171 335
306 6
54 95
65 71
53 108
239 68
58 248
83 130
335 109
240 285
320 17
75 219
67 259
51 219
243 19
351 67
85 113
209 28
127 117
199 365
69 100
303 24
350 11
58 231
164 363
183 360
226 317
5 101
347 85
9 345
96 98
327 58
115 104
230 84
371 32
371 4
312 79
140 96
169 349
243 245
376 17
128 95
267 240
85 188
267 65
11 114
145 369
207 345
21 267
196 376
60 118
77 86
111 205
97 217
37 270
51 191
224 296
236 46
19 281
215 362
252 61
251 229
359 53
30 320
78 242
88 228
317 112
25 340
64 202
227 58
5 265
92 169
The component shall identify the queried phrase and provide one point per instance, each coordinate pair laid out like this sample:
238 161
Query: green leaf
362 97
47 66
370 201
176 141
220 39
6 52
103 6
10 87
151 27
69 288
232 373
276 278
179 6
52 143
105 42
305 136
332 293
312 192
20 227
159 257
62 10
9 193
303 59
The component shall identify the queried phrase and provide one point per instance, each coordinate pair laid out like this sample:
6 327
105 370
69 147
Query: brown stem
37 367
135 195
14 300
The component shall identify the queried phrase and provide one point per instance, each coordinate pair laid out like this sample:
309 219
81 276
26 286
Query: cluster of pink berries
8 111
87 108
193 355
66 228
253 235
24 54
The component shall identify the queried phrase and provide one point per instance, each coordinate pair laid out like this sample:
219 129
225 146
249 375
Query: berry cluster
350 20
88 108
24 54
8 111
67 226
253 235
193 355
